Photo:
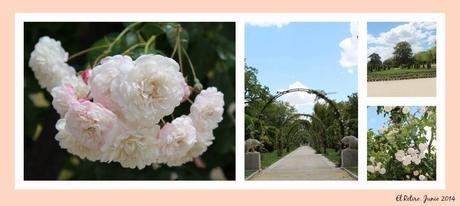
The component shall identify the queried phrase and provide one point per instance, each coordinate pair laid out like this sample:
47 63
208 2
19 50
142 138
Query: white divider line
362 99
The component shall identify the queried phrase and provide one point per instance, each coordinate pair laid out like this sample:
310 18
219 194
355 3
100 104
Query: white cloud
417 34
278 24
383 51
298 98
349 53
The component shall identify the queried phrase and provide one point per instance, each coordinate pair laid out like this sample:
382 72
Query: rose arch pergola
319 95
296 116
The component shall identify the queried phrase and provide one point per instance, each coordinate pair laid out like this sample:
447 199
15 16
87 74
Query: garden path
303 164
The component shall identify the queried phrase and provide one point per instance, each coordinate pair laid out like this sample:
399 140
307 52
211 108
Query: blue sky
375 28
314 55
383 36
376 121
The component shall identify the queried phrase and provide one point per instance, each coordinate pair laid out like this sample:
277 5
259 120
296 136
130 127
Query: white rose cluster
112 113
412 155
48 62
376 167
404 109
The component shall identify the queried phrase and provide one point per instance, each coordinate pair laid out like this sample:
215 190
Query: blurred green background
211 47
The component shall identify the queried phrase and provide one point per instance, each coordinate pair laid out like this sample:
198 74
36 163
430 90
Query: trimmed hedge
400 74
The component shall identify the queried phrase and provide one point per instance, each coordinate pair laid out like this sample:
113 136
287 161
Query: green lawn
399 74
332 155
248 172
268 158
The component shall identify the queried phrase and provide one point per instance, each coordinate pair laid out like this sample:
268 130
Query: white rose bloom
422 177
72 89
428 132
422 155
81 89
150 91
411 151
204 139
406 160
388 108
372 159
377 168
63 96
382 171
47 61
72 145
132 148
175 141
90 123
102 76
206 112
370 169
406 110
399 155
416 173
422 147
382 130
416 160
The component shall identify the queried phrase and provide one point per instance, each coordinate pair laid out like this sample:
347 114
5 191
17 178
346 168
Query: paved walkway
303 164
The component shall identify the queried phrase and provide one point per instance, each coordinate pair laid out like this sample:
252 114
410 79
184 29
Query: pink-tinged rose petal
90 123
187 92
85 75
70 89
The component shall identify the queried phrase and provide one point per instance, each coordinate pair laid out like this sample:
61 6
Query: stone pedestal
252 161
349 157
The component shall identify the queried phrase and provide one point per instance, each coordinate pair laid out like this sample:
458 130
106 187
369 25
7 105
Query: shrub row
381 76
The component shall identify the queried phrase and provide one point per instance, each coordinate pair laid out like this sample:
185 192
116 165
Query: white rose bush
128 107
405 147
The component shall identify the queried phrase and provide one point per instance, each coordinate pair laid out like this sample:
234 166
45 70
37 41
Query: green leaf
106 40
137 52
151 29
130 39
172 30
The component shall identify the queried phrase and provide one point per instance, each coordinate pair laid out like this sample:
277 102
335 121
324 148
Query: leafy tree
269 123
402 54
388 63
374 62
350 114
425 59
433 55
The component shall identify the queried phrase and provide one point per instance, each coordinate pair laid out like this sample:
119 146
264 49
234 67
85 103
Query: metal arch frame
290 136
279 137
323 126
319 94
305 115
